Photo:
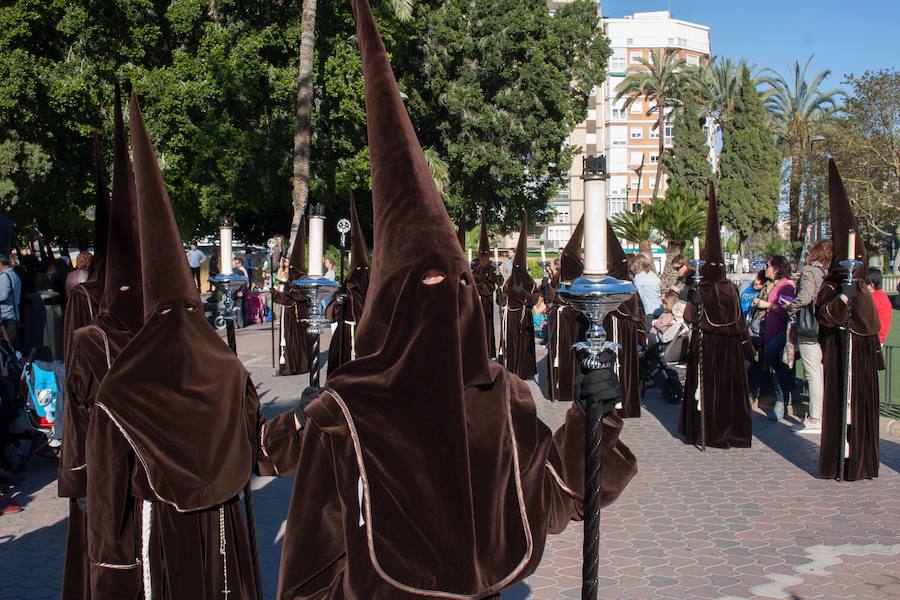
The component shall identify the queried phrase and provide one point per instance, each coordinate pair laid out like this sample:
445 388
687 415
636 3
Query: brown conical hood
461 228
842 222
484 242
164 267
122 296
359 251
571 264
101 215
297 267
712 245
520 260
616 257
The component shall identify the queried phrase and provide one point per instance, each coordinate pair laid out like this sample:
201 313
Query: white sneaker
811 427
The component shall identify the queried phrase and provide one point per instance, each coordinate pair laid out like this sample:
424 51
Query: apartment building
626 136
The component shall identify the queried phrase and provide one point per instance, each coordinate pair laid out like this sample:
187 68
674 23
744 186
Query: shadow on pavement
27 572
890 454
39 472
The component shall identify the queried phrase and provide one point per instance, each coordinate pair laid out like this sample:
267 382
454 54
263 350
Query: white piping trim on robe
146 527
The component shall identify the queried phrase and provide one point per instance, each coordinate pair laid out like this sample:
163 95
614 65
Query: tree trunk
645 247
300 192
661 126
794 201
668 275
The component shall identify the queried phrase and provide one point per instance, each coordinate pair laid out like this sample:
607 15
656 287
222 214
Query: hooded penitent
174 433
519 296
424 464
83 300
721 337
866 357
569 324
349 313
627 326
487 278
94 346
293 356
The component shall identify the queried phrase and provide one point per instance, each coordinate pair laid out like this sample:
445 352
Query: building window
635 182
593 91
616 204
562 213
637 107
552 12
654 158
629 41
668 135
635 57
563 194
592 114
635 158
590 138
637 133
617 64
654 133
692 61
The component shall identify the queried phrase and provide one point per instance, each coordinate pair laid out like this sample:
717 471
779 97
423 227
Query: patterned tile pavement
723 525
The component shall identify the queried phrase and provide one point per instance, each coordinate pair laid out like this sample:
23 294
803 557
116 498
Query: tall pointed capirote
122 296
520 260
616 257
461 228
298 268
571 265
712 245
101 215
484 242
359 251
164 267
842 222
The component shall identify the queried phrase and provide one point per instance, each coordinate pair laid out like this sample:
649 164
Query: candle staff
595 294
851 351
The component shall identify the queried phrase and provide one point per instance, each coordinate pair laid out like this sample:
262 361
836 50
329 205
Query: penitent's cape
425 472
294 346
520 293
569 324
487 278
725 343
866 357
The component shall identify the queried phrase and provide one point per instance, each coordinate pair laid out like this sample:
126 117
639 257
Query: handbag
807 323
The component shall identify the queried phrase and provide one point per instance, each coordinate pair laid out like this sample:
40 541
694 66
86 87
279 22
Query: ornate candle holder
595 298
229 284
315 288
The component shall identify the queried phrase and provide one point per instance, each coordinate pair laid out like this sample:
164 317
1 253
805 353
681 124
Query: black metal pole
314 362
591 548
272 301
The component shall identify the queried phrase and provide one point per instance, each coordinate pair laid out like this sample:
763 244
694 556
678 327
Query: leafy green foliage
686 162
750 167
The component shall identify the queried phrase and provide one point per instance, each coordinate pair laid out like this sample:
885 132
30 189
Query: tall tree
678 217
636 227
686 161
504 83
800 105
660 80
750 168
304 106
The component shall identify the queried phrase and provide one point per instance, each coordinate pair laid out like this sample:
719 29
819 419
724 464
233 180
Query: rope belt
146 526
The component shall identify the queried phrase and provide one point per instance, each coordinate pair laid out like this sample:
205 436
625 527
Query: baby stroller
29 397
661 363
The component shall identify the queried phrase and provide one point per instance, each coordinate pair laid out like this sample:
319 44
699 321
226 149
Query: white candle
595 227
470 254
316 246
851 245
696 248
496 255
226 250
543 254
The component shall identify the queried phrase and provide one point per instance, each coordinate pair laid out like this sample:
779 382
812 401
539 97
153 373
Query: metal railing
889 386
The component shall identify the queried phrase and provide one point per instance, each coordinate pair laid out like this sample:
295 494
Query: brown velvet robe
293 357
627 326
726 347
82 306
516 305
339 544
486 280
866 360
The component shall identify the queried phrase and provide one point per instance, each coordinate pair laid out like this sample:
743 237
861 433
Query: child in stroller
661 362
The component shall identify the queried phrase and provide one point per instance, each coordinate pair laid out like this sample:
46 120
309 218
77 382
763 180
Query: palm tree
678 218
635 227
799 107
660 80
300 191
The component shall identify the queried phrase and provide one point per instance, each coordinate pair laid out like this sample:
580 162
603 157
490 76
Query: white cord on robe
225 590
282 343
146 526
352 325
846 448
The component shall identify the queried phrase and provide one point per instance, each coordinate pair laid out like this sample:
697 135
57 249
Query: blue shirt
648 288
747 296
10 295
195 258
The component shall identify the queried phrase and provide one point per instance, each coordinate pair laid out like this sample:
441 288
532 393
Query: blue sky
845 36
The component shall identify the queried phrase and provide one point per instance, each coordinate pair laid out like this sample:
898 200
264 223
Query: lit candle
543 253
696 248
316 245
470 254
225 247
851 245
595 226
496 255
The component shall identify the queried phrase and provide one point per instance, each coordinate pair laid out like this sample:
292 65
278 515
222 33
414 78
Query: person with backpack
805 326
10 300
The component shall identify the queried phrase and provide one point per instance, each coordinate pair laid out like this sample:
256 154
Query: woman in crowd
802 315
80 273
685 276
778 271
647 284
756 323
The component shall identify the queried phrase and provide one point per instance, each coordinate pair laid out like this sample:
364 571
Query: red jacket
883 306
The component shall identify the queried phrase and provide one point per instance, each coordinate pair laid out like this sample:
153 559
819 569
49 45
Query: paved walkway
723 525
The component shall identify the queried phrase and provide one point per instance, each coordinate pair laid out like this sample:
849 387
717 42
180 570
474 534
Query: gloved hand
695 296
599 385
850 290
306 398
